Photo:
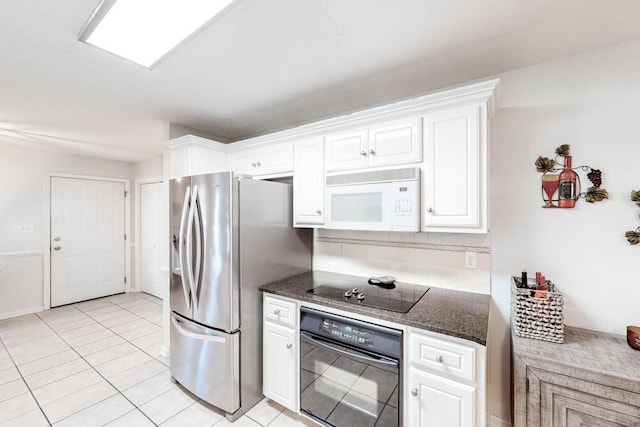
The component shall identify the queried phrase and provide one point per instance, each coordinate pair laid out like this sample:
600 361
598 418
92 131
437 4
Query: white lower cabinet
279 359
280 351
446 381
437 401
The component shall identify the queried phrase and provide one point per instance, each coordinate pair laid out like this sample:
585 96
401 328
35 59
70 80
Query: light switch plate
22 228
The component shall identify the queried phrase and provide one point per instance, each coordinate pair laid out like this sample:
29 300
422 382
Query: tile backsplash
434 259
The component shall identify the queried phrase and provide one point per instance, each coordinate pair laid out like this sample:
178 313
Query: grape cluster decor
633 237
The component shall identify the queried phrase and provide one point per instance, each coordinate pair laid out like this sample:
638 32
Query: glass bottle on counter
568 185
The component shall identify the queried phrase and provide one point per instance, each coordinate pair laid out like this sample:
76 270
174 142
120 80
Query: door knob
258 164
289 345
276 312
56 248
414 392
372 151
253 164
439 359
363 153
57 238
318 211
429 210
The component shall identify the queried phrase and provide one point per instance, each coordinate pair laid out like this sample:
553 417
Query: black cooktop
400 299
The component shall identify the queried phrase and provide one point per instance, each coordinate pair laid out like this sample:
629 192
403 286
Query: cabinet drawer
277 310
443 357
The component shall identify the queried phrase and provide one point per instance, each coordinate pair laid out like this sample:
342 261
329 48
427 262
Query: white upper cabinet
395 143
347 150
308 182
455 170
389 143
191 155
268 159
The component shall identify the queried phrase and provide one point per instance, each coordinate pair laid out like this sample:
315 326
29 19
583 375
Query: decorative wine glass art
550 183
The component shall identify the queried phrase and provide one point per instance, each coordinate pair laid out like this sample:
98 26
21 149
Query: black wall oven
350 371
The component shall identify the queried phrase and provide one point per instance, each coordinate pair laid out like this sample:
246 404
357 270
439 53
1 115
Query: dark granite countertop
459 314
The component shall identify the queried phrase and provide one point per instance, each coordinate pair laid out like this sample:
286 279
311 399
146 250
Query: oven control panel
348 333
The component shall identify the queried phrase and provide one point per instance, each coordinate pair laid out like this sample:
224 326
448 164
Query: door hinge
125 236
126 193
125 280
527 386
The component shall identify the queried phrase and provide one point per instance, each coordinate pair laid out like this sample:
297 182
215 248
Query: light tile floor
96 363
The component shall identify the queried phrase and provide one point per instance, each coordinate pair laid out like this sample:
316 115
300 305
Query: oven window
346 392
357 207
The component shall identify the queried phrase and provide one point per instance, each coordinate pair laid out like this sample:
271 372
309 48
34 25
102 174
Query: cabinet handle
429 210
276 312
253 164
372 151
289 345
414 392
439 358
258 164
318 211
363 153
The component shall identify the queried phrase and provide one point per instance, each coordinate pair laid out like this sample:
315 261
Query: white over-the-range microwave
384 200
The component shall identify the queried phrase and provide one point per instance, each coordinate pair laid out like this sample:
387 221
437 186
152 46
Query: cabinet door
451 177
179 162
308 182
559 400
280 364
243 162
204 161
395 143
437 401
347 150
275 158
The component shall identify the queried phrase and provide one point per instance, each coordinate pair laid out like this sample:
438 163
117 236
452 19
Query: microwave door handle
181 244
308 338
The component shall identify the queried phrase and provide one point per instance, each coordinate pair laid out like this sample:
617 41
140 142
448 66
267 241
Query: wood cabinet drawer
443 357
280 311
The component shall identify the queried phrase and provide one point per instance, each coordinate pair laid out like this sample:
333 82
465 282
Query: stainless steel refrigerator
229 235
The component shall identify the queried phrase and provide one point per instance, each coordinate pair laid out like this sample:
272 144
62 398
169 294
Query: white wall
147 169
21 202
592 102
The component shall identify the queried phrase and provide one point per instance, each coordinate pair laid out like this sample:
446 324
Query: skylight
143 31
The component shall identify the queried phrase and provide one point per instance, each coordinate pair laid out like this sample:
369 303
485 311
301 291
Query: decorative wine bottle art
567 182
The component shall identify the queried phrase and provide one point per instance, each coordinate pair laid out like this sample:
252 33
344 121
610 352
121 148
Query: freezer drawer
206 362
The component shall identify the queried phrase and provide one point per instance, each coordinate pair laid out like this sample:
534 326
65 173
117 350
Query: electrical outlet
470 260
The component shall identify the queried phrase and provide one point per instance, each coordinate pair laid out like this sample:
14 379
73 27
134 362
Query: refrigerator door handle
199 252
194 335
181 244
192 213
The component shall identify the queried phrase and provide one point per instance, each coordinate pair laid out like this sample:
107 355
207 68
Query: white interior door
149 238
87 239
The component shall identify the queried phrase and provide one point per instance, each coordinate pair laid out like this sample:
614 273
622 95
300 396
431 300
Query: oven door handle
325 345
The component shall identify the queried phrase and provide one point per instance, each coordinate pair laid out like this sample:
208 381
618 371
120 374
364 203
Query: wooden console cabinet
593 379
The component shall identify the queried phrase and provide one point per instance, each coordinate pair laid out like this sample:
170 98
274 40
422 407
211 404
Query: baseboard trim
498 422
21 312
164 351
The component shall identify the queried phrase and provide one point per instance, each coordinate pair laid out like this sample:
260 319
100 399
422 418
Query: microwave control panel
405 204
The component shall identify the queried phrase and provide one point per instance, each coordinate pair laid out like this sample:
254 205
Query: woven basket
537 318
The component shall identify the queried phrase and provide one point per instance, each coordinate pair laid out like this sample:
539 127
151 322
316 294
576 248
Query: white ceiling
268 65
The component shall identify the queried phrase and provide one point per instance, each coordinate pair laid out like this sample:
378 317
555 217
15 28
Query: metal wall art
559 176
633 237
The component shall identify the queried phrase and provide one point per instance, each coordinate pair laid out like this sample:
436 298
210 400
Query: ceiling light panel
143 31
